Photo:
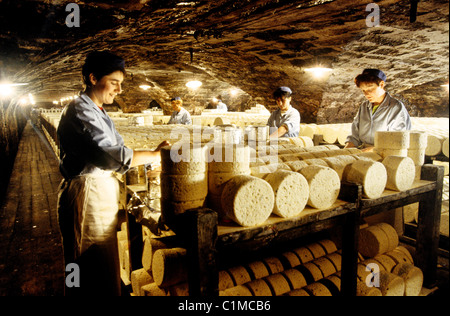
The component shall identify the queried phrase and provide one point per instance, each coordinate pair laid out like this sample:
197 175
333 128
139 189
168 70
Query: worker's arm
279 132
142 157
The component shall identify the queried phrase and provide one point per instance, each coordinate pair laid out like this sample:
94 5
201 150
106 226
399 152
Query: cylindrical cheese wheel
296 165
369 155
169 266
373 241
295 278
363 290
216 181
225 280
417 140
317 289
153 289
445 147
247 200
401 172
406 252
434 145
184 159
304 254
386 261
370 174
328 245
139 278
259 287
391 284
316 249
398 256
336 259
278 284
298 292
239 290
329 134
391 139
325 265
385 152
391 233
307 141
291 192
290 259
417 155
184 187
239 275
336 164
324 186
313 270
273 264
412 276
258 269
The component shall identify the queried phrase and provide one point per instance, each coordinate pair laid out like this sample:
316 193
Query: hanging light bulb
194 85
319 71
144 87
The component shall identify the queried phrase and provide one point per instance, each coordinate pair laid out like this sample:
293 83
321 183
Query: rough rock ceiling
251 45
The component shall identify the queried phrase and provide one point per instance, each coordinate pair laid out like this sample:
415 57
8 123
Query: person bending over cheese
380 112
285 121
179 114
91 151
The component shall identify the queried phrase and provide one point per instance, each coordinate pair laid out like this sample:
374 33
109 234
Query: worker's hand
367 149
164 143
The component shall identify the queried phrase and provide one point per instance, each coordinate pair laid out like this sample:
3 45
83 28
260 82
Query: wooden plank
429 225
198 228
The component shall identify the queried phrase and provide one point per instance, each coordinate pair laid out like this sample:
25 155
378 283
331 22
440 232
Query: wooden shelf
199 231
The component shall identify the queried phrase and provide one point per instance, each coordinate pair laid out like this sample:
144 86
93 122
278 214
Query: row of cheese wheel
312 270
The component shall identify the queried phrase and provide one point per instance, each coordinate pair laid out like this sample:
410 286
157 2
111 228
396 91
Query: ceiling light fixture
194 85
144 87
7 89
319 72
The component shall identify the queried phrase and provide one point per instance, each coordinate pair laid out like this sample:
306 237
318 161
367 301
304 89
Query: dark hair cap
375 72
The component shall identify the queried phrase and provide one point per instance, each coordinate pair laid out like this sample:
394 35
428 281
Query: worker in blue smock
380 112
91 153
179 115
285 121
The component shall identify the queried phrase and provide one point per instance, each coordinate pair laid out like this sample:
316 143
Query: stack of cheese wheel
392 143
225 162
418 143
377 239
400 172
291 192
370 174
417 146
247 200
184 179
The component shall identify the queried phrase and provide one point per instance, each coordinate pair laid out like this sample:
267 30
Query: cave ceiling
252 46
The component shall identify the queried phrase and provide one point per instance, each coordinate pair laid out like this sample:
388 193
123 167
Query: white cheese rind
392 139
184 187
370 174
247 200
401 172
291 192
324 185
